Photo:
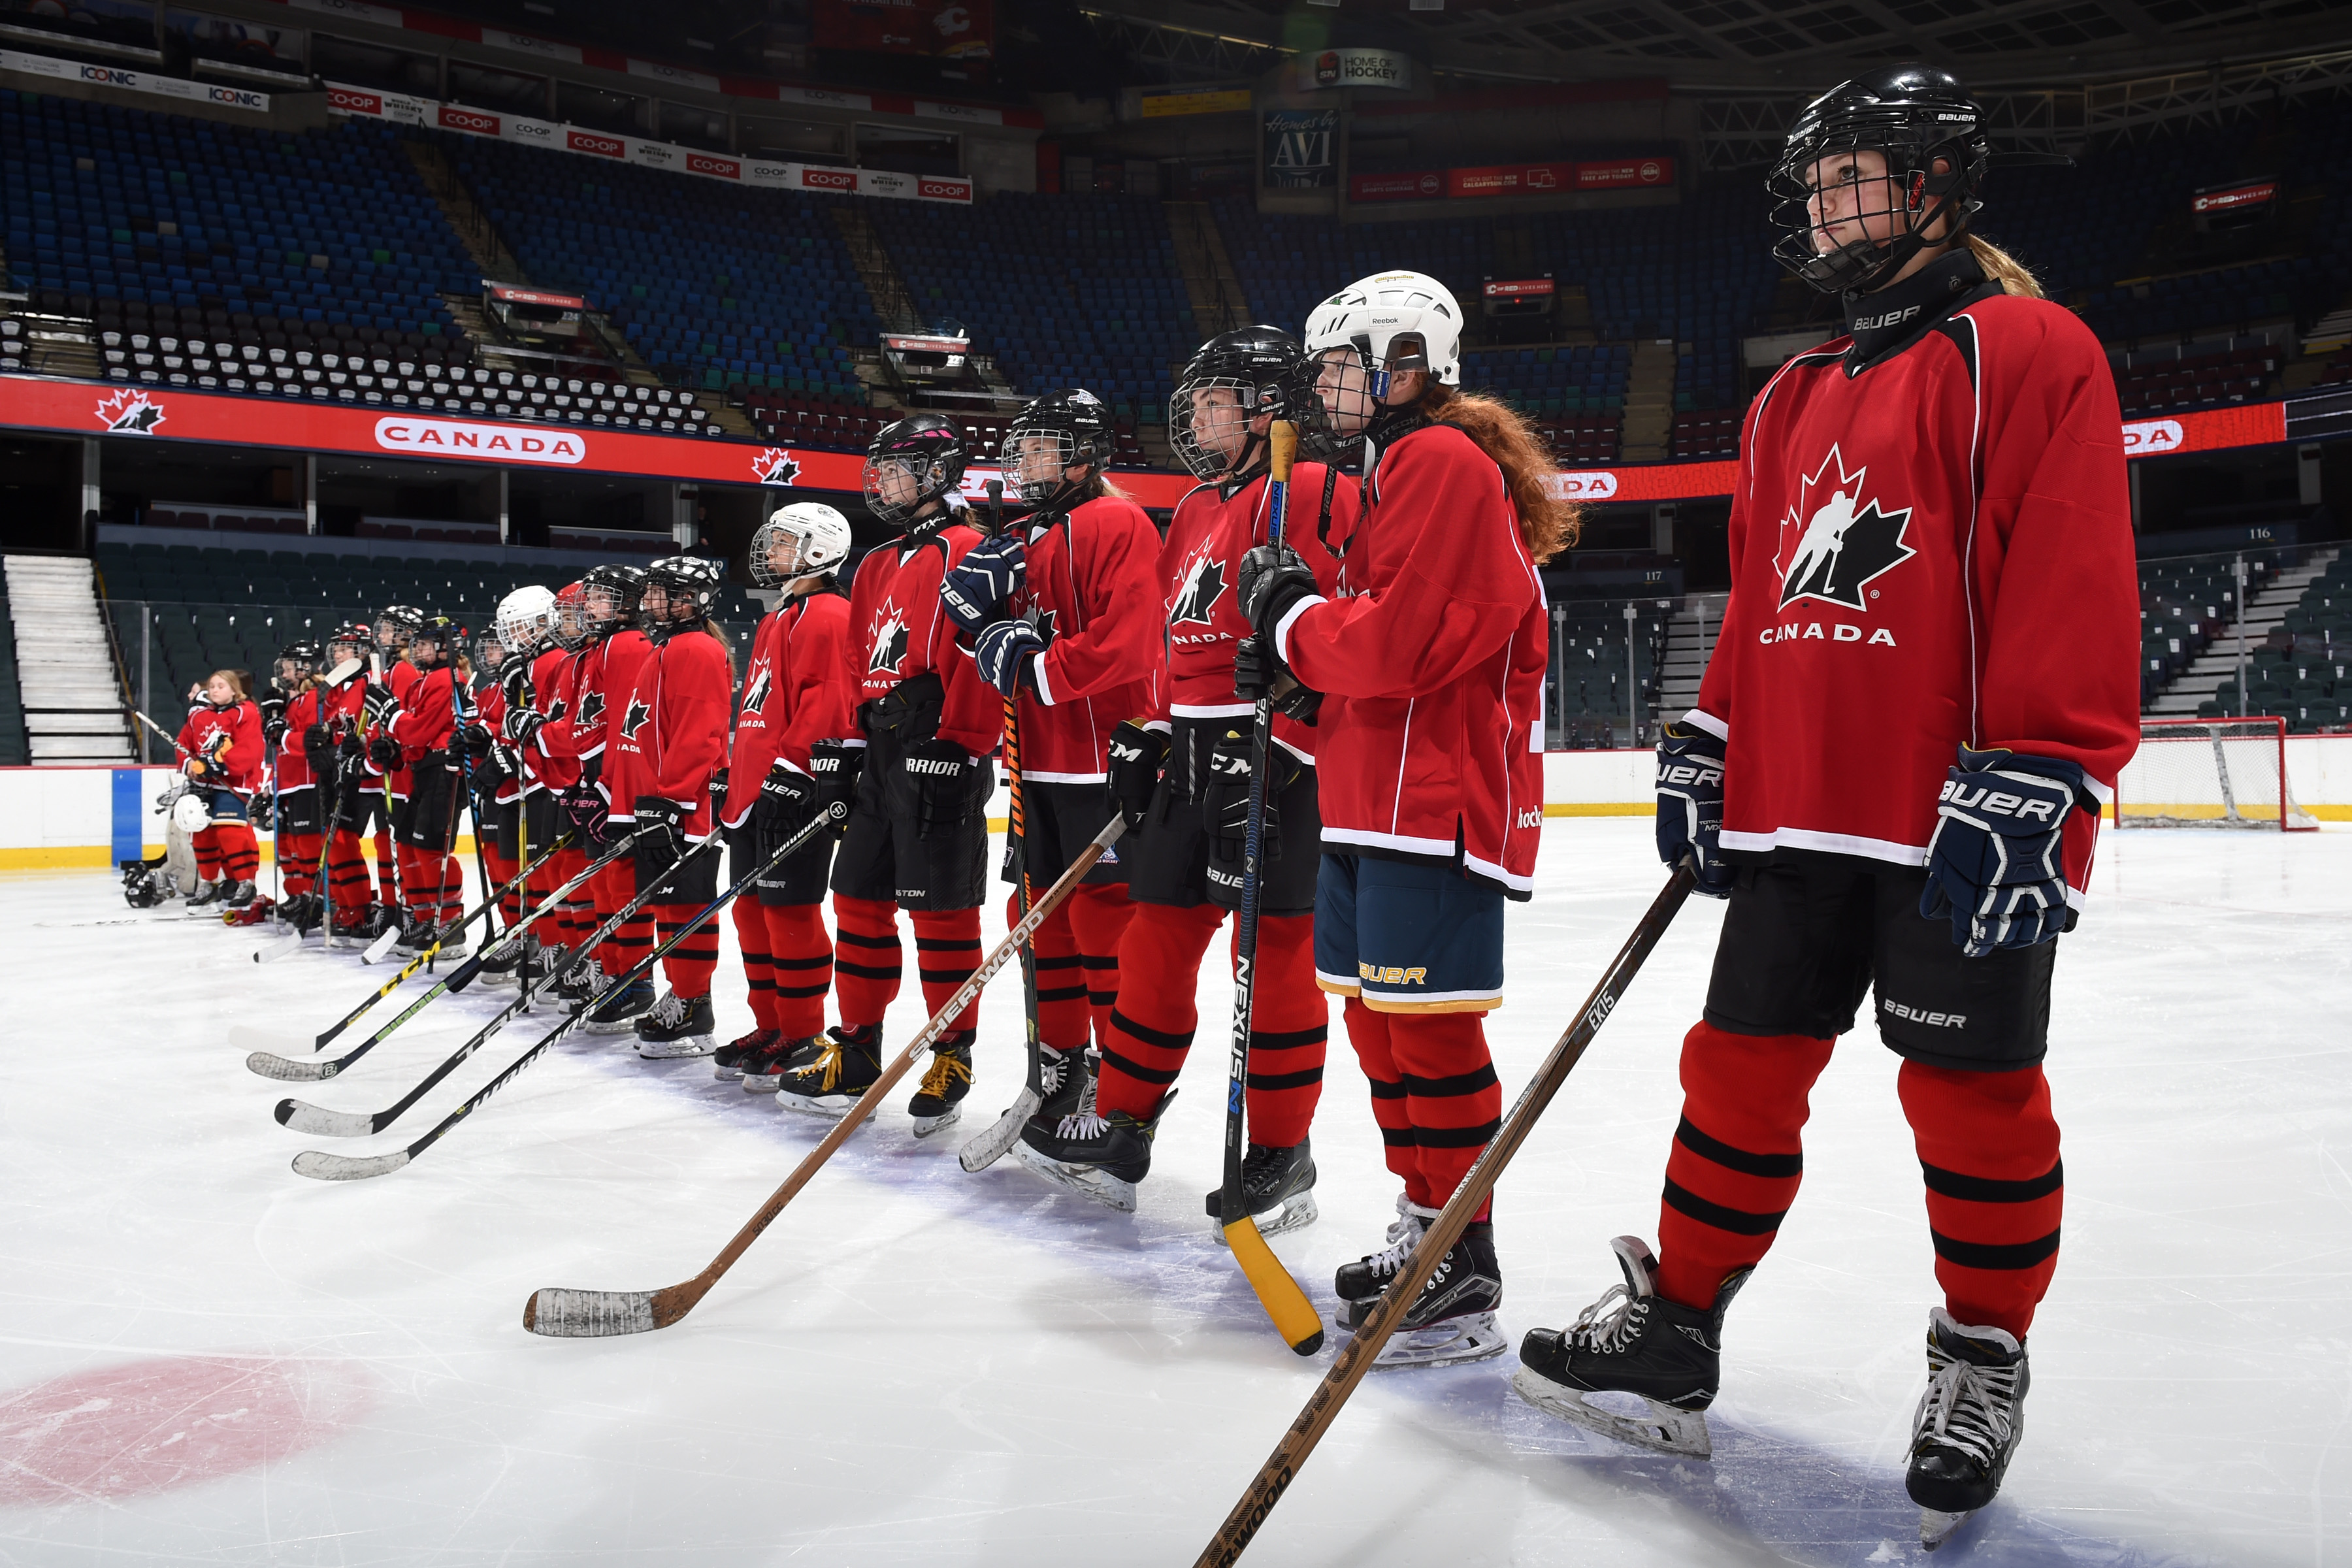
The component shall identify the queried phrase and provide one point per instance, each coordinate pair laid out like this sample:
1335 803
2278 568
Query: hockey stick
1349 1367
587 1314
303 1117
1293 1316
274 1065
473 802
383 944
345 1168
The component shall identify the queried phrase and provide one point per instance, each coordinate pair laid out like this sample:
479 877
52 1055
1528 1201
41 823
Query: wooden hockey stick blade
984 1149
1349 1367
300 1116
345 1168
380 946
1294 1317
269 1063
591 1314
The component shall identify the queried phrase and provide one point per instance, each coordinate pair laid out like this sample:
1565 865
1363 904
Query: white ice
207 1359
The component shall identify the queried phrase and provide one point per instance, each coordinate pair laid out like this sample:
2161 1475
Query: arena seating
16 747
1064 291
2302 671
1590 662
2164 380
1711 433
716 288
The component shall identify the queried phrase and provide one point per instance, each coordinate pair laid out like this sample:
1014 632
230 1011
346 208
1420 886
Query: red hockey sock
689 965
347 875
1290 1028
297 862
946 951
1737 1155
207 842
751 942
800 955
1153 1018
1367 1032
240 854
453 887
616 887
387 868
1099 914
1989 1148
502 872
870 962
419 895
1451 1095
1062 1018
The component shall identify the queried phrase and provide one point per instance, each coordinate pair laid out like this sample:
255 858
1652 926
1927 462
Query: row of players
1931 558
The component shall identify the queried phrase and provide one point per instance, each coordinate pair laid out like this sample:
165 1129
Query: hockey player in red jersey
918 830
221 754
336 745
605 673
1925 688
539 725
1430 658
493 781
384 767
1180 770
527 820
298 797
1061 611
788 764
664 757
422 721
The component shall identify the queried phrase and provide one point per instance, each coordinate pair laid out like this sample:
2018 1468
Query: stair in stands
1218 303
2265 611
894 303
1690 643
64 666
1650 401
467 219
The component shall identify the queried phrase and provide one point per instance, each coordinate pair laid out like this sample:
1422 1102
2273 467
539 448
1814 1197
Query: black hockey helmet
356 635
926 449
1051 436
1258 371
296 662
688 583
395 624
1915 117
609 595
442 635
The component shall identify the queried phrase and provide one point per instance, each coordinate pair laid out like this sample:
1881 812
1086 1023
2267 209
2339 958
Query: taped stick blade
268 1064
589 1314
270 953
303 1117
986 1148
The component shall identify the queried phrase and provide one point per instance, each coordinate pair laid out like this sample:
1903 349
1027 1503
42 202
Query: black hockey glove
1996 866
789 800
945 780
353 745
273 719
1258 670
477 741
1224 799
587 812
379 704
660 838
521 723
1137 757
514 679
974 589
262 813
1273 580
836 765
319 747
383 752
1690 806
1007 655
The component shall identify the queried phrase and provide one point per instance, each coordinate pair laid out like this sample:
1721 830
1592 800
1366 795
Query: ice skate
827 1078
579 984
240 895
502 963
1097 1156
1968 1425
763 1070
678 1026
937 1104
1277 1189
618 1013
415 936
1637 1344
727 1061
204 902
1453 1318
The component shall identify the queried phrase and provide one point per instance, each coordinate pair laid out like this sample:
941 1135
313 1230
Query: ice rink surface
207 1359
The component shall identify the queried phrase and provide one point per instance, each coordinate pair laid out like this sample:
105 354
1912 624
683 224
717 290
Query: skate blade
1474 1336
1083 1180
678 1050
927 1125
1291 1213
762 1083
627 1025
1681 1434
833 1108
1936 1527
726 1075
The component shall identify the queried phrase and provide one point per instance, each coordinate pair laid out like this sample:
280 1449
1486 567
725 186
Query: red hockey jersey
551 761
668 734
238 766
295 774
1436 649
796 693
1091 576
399 679
897 631
1935 550
426 719
487 706
1200 565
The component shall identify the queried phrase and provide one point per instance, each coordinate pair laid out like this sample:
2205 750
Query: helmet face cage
1348 387
356 641
396 625
526 620
610 595
1054 434
569 626
820 540
490 650
911 464
1882 207
296 663
688 582
442 635
1212 413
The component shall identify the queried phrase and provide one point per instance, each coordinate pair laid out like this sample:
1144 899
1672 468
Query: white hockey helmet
1397 321
192 812
526 619
820 536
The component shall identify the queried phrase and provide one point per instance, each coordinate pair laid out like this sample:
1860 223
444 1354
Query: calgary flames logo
130 411
775 467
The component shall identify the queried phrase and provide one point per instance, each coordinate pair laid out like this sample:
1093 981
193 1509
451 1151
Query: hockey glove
379 704
586 811
383 752
789 800
273 720
522 725
514 679
835 767
1273 580
1258 670
1006 654
319 747
1137 757
660 838
943 775
478 742
1224 799
1690 806
1997 865
974 589
262 813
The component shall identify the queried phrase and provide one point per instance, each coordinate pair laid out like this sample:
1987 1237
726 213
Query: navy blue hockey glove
1006 653
1273 579
660 839
1997 865
1690 806
835 767
1137 756
974 589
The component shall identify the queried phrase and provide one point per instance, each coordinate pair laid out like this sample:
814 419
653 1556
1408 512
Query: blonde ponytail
2003 268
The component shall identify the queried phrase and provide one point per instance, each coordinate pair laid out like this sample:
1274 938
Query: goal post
2210 772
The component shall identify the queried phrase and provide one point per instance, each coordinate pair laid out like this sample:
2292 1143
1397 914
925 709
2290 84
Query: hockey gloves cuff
660 838
383 752
1690 805
1137 757
945 785
974 589
1007 653
1996 866
1273 580
1258 671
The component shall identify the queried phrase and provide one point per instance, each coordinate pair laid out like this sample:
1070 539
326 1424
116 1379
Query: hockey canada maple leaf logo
635 719
555 711
776 466
130 411
888 643
1205 584
1843 540
591 707
755 696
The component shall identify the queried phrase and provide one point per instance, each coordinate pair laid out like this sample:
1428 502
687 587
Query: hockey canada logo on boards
1844 539
130 413
775 467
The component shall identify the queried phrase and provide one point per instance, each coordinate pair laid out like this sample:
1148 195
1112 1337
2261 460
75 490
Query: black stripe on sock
1986 1190
1990 1255
946 944
1459 1137
1136 1069
1399 1137
1289 1039
1447 1088
1160 1037
1070 962
1062 994
1383 1089
1273 1081
1738 1222
802 991
859 938
817 962
1734 1159
866 971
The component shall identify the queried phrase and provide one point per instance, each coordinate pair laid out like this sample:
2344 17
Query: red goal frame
2283 803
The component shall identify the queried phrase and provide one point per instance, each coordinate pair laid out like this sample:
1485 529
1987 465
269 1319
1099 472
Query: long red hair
1546 523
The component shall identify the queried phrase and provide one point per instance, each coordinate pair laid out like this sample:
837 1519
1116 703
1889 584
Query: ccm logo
1689 773
932 765
1920 1015
1532 817
1999 803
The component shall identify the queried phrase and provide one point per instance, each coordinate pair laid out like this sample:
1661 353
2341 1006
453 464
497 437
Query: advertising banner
1426 185
147 82
1543 179
2232 198
956 29
1355 67
1212 100
1300 153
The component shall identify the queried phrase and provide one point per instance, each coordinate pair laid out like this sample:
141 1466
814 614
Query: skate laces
1967 1408
1611 1323
827 1066
945 1070
669 1010
1083 1125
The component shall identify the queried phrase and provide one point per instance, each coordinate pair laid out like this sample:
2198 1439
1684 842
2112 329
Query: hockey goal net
2210 772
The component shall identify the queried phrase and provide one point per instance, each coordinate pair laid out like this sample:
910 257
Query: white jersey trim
1212 709
1037 679
1700 718
1410 845
1028 775
1827 843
